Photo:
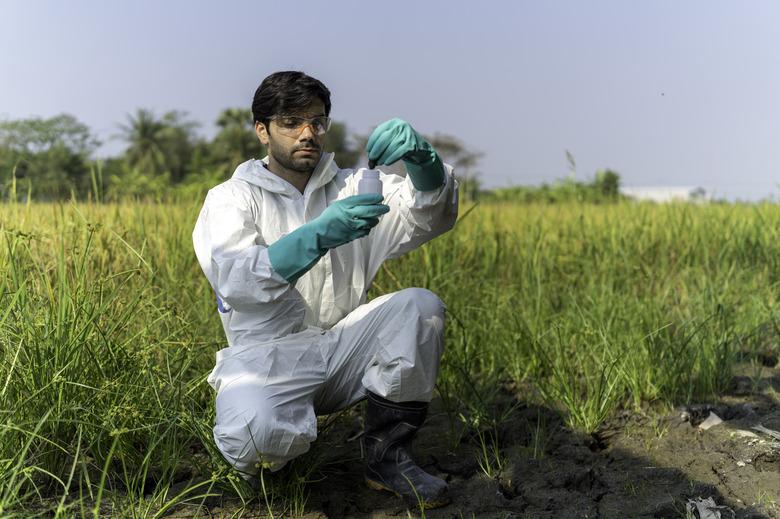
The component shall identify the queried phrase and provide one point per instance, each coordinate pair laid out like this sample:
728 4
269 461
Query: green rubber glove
395 140
341 222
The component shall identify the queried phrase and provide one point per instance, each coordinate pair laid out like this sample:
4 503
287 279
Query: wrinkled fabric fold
269 396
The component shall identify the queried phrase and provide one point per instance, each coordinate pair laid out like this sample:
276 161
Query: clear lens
294 125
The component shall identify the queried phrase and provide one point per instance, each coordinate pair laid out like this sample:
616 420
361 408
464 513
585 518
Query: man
290 251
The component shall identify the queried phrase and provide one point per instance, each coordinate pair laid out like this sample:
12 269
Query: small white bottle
369 182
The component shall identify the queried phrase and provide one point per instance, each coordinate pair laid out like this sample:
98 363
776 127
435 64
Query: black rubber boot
389 428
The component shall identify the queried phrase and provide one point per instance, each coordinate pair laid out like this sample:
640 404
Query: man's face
293 149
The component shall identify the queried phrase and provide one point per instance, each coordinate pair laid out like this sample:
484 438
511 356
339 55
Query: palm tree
157 146
239 117
236 140
143 133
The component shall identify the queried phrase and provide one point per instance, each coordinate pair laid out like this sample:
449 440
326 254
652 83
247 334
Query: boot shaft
389 429
390 426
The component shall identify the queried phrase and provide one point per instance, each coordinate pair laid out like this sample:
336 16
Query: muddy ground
643 465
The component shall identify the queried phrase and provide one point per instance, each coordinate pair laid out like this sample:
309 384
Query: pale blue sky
664 92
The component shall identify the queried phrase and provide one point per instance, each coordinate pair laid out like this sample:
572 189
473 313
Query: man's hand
396 140
341 222
349 219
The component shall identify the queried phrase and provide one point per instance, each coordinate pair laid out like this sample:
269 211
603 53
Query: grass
107 332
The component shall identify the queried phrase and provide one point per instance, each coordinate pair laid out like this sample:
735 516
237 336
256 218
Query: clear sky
664 92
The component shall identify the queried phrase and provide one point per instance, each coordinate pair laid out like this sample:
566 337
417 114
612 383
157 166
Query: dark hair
287 92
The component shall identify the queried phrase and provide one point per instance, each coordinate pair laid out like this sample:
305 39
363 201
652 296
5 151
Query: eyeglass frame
305 121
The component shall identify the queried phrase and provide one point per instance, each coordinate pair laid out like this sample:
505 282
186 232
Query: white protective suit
315 347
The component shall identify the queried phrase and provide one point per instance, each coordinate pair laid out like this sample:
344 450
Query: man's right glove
341 222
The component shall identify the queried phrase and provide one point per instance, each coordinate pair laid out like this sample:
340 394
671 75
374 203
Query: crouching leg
253 431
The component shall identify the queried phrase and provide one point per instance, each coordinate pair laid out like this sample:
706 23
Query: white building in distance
695 194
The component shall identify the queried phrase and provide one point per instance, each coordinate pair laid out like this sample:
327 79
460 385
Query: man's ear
262 133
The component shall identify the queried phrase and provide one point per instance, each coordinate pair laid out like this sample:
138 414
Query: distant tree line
604 187
164 157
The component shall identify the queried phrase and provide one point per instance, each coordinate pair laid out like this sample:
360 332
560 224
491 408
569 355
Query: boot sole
425 505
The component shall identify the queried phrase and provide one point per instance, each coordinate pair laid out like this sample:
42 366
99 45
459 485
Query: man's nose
307 132
308 135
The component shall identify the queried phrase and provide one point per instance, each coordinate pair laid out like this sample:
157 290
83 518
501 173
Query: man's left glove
395 140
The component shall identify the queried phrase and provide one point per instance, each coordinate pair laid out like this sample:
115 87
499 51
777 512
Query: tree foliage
604 187
51 154
464 161
165 157
158 146
347 149
235 141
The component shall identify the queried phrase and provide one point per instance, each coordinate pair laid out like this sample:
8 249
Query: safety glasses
293 125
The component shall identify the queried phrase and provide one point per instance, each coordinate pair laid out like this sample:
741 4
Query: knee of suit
427 303
262 436
407 364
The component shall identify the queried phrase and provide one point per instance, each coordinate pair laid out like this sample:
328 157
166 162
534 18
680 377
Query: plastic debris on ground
745 434
708 509
768 432
711 421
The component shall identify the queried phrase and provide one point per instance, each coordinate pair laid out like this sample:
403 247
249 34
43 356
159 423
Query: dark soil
640 465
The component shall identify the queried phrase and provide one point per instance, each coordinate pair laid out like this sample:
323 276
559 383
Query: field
575 331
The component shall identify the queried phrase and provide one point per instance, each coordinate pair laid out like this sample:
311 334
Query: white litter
770 432
740 464
711 421
707 509
745 434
